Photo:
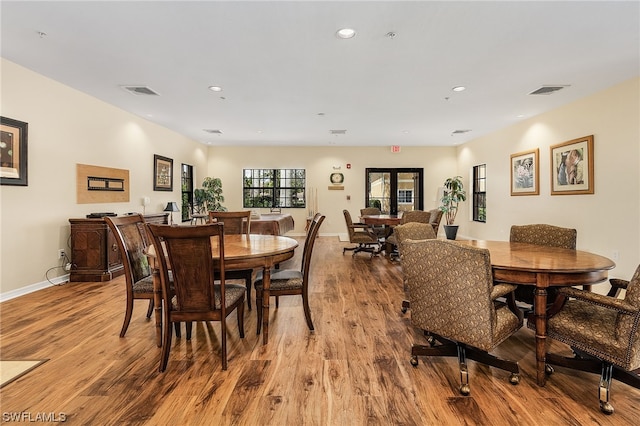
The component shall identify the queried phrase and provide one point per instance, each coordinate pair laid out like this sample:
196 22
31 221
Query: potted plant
454 193
209 198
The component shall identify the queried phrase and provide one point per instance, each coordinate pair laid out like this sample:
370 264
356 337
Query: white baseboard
33 287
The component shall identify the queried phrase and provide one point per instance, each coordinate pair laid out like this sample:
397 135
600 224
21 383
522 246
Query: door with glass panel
394 190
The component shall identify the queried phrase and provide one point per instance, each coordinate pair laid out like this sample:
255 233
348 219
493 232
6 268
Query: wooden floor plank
353 370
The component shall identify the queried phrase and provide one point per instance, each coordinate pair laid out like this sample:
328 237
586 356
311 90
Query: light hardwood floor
354 370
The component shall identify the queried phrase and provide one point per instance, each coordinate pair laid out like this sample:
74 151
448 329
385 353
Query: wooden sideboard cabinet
94 251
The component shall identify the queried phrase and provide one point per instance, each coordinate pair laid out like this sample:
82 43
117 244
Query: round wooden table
241 252
543 267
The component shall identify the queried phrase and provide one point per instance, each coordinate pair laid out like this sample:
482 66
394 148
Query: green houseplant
454 194
209 198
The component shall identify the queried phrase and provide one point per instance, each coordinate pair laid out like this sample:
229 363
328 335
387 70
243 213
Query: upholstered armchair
361 234
413 216
380 230
542 235
454 299
603 332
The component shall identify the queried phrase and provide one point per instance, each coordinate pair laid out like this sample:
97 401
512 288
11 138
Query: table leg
266 284
157 305
540 312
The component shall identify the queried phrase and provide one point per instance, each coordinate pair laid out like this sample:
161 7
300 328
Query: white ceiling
280 64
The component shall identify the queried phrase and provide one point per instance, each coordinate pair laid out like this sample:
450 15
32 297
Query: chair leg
259 309
176 326
127 317
189 327
277 302
248 282
223 342
464 371
240 313
150 308
307 311
604 386
166 347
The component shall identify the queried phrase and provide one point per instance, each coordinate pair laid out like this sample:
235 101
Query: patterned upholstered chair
411 231
542 235
418 216
453 297
603 332
361 234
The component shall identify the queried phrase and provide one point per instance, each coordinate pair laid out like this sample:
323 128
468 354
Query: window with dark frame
480 193
186 185
274 188
405 196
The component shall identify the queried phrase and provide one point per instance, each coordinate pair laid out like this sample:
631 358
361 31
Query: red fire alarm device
348 165
395 148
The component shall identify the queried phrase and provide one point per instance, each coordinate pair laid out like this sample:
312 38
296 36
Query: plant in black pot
454 194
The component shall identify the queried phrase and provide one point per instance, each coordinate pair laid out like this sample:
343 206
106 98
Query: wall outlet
60 253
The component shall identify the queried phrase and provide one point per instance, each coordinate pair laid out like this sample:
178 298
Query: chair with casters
132 239
381 231
453 298
201 292
603 333
236 223
411 231
417 216
287 282
542 235
361 234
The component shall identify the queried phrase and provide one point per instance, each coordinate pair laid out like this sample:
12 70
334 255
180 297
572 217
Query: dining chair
411 231
413 216
236 222
361 234
381 231
603 333
542 235
201 292
453 298
287 282
132 240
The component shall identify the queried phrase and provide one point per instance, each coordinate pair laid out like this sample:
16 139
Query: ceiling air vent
213 131
140 90
547 90
337 132
459 132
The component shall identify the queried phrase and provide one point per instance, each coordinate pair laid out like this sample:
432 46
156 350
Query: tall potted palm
454 194
210 197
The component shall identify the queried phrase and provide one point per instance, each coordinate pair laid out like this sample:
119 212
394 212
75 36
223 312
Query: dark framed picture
13 152
525 173
162 173
572 167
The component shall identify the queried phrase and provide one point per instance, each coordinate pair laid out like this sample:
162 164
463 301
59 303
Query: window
405 196
274 188
187 191
480 193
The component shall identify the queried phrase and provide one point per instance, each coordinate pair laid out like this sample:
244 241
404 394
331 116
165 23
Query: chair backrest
415 216
413 231
309 242
370 211
234 222
349 222
450 290
131 237
189 251
435 218
544 235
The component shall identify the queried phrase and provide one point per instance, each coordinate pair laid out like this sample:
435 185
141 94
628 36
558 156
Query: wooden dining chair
287 282
236 222
201 292
132 239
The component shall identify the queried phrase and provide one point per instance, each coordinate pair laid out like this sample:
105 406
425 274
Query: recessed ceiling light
346 33
215 88
459 88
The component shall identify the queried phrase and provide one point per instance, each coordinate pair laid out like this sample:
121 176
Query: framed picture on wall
572 167
13 152
525 172
162 173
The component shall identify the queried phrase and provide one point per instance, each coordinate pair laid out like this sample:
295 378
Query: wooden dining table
542 267
240 252
381 219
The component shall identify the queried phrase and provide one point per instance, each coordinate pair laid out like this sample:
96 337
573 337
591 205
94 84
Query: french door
394 190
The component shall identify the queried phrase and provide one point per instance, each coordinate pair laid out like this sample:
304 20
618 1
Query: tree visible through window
283 188
480 193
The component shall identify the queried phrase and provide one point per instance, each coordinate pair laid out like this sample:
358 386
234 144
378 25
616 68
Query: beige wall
607 221
227 163
67 127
